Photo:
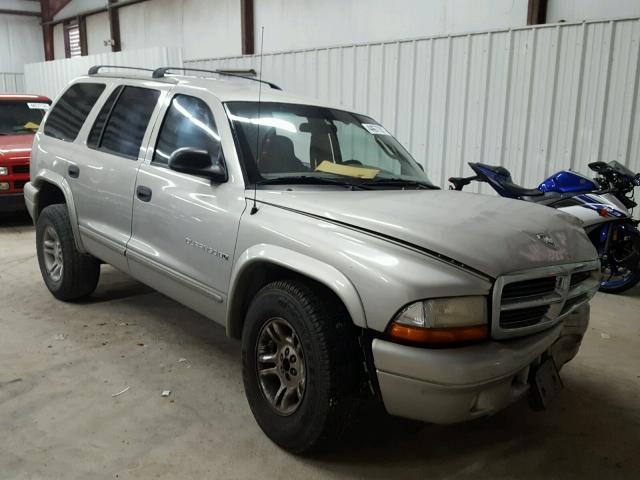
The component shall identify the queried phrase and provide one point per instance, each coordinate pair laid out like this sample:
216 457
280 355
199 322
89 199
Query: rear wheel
301 366
68 274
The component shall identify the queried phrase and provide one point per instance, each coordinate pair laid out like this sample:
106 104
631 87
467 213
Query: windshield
621 169
20 116
287 143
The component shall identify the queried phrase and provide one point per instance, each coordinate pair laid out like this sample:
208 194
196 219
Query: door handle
143 193
74 171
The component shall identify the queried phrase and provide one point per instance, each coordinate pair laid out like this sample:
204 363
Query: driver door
184 226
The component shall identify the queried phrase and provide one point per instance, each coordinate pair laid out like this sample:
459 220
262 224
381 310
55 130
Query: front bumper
11 202
458 384
30 194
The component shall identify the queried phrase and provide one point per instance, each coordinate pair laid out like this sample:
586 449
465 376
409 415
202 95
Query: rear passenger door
185 226
105 176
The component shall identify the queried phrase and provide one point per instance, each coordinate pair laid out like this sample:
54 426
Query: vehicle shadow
160 314
587 432
15 219
634 292
115 285
565 441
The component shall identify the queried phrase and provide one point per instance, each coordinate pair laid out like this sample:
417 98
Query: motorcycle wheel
622 255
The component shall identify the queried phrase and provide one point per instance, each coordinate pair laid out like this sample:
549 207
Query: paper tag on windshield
38 106
375 129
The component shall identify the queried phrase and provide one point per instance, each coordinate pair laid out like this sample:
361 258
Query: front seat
278 156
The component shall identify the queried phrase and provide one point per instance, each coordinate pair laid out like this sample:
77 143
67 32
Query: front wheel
621 261
68 274
619 285
301 367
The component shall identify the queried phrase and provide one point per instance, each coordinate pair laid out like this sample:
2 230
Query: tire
76 275
631 282
328 360
633 258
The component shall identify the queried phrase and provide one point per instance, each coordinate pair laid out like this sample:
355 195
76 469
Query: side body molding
57 180
317 270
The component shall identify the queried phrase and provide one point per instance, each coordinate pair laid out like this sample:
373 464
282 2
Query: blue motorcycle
604 205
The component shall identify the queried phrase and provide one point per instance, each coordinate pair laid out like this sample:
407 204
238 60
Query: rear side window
98 125
188 123
128 121
69 113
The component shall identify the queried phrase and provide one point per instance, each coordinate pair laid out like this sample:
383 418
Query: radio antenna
254 208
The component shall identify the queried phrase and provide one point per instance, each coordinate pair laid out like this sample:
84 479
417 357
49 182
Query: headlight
4 186
442 321
4 171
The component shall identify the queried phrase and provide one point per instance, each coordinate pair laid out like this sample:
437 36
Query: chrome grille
523 317
532 301
20 169
536 286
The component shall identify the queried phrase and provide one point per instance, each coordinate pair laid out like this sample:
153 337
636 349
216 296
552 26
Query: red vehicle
20 117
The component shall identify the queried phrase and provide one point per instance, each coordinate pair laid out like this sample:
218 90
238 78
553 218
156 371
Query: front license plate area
545 384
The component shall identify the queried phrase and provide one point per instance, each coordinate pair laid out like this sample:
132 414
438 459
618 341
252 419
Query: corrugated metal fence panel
535 99
11 83
49 78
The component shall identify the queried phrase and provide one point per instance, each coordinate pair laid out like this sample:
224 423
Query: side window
188 123
69 113
128 121
101 119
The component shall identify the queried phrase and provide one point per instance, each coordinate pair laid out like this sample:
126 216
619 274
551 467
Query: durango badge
206 248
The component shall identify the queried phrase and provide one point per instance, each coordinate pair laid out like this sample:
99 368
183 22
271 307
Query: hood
16 146
490 234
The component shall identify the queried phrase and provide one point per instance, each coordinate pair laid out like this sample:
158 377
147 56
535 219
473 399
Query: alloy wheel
281 366
52 249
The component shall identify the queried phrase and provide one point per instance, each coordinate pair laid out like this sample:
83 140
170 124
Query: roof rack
96 68
162 71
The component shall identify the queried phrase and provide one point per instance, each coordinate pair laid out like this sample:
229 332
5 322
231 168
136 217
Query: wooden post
537 12
114 26
247 27
82 27
47 29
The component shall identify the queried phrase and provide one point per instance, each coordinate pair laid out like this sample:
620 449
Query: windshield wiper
392 182
310 180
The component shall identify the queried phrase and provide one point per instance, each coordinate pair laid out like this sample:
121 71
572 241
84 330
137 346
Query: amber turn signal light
438 336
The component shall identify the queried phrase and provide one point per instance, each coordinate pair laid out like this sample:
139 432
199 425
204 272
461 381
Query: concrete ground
60 365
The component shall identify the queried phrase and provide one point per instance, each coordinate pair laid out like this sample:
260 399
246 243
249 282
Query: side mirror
195 161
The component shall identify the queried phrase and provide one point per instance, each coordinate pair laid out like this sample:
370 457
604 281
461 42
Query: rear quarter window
128 121
69 113
101 119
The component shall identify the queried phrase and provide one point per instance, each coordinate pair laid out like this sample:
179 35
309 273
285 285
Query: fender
302 264
57 180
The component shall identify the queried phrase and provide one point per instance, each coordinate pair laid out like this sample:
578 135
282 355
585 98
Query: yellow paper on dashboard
31 126
347 170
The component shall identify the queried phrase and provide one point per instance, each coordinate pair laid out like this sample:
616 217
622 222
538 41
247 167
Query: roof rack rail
162 71
96 68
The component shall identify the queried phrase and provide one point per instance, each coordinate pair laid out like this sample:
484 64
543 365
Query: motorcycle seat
496 169
519 191
459 182
507 183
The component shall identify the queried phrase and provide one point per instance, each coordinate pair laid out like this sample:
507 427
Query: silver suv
312 235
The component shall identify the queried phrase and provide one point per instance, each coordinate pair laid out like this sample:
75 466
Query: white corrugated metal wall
11 83
534 99
20 42
49 78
